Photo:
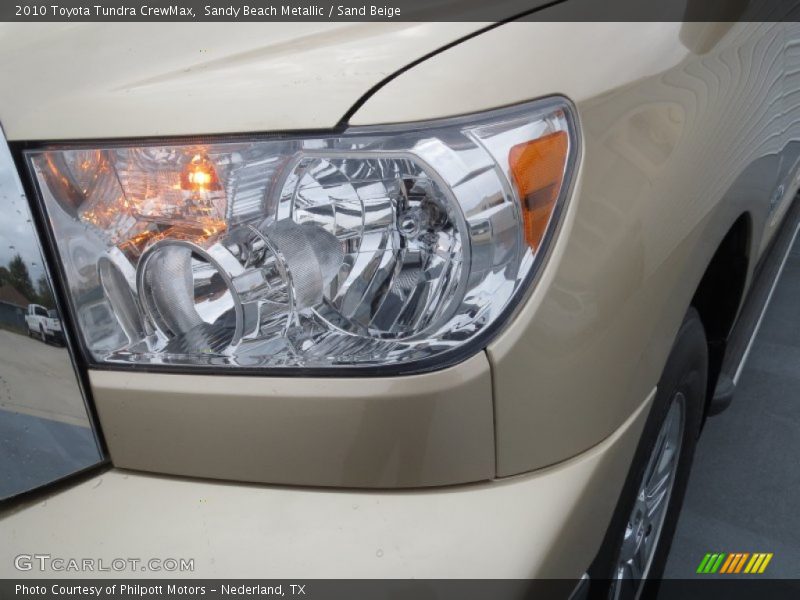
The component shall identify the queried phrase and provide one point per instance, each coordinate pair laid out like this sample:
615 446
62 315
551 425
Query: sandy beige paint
545 524
432 429
671 116
107 80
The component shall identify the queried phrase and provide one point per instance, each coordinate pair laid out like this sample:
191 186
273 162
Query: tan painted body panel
546 524
684 128
109 80
667 135
671 115
671 118
422 430
643 222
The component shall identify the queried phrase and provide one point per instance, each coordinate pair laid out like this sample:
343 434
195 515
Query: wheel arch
721 291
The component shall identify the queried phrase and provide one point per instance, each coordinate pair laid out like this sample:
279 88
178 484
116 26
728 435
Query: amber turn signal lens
538 171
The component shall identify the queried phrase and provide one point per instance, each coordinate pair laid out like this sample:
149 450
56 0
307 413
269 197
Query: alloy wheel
646 520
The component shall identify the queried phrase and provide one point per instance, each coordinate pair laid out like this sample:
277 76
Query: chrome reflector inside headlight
372 247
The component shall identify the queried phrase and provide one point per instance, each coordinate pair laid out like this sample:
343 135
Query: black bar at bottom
722 586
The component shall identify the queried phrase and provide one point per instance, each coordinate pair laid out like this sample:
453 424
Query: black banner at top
396 10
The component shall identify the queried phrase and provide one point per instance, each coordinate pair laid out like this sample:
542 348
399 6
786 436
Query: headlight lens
373 247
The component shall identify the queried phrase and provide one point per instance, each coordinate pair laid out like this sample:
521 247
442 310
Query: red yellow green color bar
736 562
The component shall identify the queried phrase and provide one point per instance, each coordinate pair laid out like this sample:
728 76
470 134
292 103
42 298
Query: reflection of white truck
42 322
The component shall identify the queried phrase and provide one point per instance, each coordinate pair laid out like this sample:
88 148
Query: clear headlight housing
401 245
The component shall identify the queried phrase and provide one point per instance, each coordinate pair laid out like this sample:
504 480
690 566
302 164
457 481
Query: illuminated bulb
200 178
199 175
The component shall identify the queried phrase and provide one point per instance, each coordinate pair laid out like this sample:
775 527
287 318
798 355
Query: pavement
744 491
37 379
45 432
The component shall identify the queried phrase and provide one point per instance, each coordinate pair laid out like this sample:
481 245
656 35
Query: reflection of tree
19 278
45 294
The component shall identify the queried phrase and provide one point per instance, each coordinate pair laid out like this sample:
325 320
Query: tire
42 334
682 384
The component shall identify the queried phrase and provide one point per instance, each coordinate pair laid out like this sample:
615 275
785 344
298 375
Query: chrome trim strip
775 281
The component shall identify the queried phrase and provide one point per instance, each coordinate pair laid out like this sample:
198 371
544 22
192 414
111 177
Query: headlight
371 247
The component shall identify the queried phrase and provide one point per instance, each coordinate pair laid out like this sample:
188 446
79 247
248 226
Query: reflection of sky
16 229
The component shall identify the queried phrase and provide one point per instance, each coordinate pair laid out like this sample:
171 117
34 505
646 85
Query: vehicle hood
112 80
